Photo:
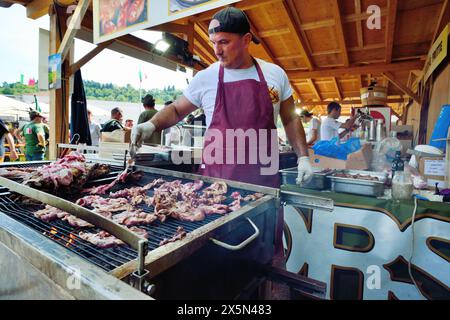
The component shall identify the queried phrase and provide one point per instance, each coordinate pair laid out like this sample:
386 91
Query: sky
19 55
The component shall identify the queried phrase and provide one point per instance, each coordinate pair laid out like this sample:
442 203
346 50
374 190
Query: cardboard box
434 170
359 160
373 96
107 150
117 136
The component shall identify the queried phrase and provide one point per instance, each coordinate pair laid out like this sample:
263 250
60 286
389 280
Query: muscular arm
12 146
293 127
349 124
173 113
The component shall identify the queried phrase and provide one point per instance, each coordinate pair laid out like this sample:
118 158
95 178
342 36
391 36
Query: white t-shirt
94 128
202 90
329 129
315 125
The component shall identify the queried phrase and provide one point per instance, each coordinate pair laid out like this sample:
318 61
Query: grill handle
242 244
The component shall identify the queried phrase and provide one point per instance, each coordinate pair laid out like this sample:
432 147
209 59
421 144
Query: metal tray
359 186
318 182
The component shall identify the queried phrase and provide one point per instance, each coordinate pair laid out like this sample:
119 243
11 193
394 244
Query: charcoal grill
120 261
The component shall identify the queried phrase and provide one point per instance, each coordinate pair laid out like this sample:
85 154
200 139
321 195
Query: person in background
330 126
47 138
115 123
34 134
94 129
129 123
239 92
148 114
313 134
347 134
4 134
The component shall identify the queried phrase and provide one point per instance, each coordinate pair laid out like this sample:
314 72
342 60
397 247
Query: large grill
106 258
121 261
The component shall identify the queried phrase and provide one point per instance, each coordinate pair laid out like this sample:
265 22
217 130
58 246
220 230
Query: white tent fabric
14 110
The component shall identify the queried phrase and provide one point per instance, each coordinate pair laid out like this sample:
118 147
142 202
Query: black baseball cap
231 20
306 113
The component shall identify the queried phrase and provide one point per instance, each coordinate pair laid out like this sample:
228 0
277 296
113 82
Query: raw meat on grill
180 234
101 239
253 197
133 218
122 177
134 191
50 213
215 189
77 222
140 232
67 174
16 173
111 205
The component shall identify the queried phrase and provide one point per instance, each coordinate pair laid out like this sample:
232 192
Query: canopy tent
14 110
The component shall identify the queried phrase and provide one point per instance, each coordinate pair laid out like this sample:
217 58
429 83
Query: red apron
244 104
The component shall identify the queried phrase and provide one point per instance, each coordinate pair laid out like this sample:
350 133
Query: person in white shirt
330 126
94 129
313 134
237 92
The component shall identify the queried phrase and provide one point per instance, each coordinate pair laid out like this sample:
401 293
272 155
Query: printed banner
54 71
437 53
115 18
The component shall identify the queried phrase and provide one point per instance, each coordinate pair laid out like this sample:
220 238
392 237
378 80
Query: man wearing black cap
146 115
238 92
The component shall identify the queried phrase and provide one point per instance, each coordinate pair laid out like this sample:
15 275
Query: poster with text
114 18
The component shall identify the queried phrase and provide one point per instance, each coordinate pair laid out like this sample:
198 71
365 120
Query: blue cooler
441 128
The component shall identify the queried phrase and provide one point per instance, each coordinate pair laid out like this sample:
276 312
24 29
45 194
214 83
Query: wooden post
59 98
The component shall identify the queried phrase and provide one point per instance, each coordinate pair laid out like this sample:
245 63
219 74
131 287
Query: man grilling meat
238 92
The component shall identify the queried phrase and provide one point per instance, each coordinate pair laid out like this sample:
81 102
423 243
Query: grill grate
106 258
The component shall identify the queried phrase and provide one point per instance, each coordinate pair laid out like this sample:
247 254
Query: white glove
142 132
305 171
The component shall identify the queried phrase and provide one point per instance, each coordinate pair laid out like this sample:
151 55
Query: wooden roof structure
326 46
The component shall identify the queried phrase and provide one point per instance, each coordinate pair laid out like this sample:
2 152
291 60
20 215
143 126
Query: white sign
114 18
435 168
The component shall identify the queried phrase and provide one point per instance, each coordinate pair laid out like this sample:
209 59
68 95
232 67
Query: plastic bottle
402 183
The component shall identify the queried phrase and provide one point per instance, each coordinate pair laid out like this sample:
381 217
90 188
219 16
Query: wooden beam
39 8
343 102
373 68
401 86
203 38
294 24
363 16
205 48
190 37
318 24
324 53
359 27
274 32
338 89
340 31
444 18
72 28
314 89
390 30
243 5
171 27
88 57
